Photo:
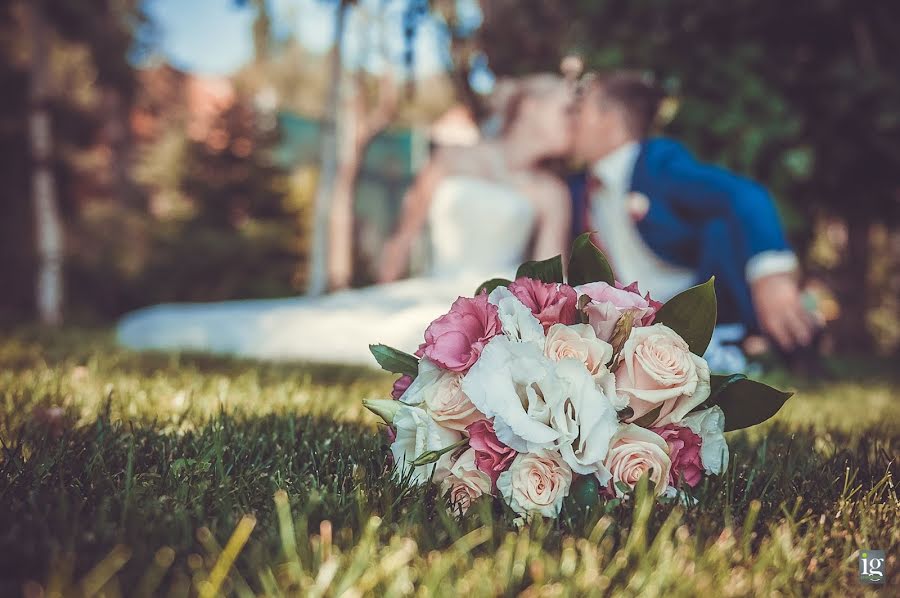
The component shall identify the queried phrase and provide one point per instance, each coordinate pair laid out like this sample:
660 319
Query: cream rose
417 433
578 342
440 393
536 483
464 483
635 452
656 369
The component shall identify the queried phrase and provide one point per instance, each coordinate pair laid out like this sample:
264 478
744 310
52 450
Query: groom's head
614 109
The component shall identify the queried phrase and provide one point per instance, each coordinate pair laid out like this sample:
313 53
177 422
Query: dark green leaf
585 491
588 264
692 314
718 383
394 360
490 285
550 270
748 402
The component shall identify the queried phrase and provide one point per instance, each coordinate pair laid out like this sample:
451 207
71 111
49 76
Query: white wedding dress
479 230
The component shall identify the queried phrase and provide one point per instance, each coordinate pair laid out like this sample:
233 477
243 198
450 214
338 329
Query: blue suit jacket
700 216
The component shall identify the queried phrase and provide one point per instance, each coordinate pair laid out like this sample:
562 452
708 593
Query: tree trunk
328 163
854 285
48 223
360 126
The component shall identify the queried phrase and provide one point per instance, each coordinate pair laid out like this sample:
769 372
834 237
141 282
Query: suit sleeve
705 191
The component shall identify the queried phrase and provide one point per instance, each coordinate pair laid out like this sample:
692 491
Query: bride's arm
554 219
413 215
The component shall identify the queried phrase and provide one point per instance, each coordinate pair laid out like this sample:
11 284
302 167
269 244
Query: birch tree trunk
48 223
328 163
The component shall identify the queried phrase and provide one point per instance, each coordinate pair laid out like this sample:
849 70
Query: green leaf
747 402
394 360
585 491
550 270
692 314
588 264
718 383
490 285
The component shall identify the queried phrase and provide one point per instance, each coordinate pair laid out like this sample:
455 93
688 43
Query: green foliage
692 314
747 402
489 285
549 270
588 264
394 360
163 456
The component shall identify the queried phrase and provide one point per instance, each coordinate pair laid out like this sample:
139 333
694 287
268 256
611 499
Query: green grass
189 475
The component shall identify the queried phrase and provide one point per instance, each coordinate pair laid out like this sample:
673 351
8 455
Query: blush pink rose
400 385
658 373
454 341
551 303
608 303
491 456
684 451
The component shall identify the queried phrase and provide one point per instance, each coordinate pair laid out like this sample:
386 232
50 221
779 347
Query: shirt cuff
771 262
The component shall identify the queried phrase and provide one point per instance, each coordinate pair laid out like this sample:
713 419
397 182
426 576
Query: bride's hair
509 94
643 100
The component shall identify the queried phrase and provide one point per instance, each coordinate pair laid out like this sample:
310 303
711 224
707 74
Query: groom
669 221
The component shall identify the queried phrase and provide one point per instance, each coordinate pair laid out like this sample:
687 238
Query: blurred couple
661 217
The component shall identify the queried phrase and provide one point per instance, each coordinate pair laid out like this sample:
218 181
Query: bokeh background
182 147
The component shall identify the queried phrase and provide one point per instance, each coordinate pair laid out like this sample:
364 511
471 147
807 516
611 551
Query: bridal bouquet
536 387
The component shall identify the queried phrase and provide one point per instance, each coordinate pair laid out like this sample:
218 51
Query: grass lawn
126 474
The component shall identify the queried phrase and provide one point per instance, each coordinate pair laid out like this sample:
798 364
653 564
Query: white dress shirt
631 258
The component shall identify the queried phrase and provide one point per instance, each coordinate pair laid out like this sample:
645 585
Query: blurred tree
328 159
362 118
47 46
241 237
48 223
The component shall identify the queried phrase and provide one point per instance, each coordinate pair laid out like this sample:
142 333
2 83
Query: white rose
633 453
515 384
440 392
709 425
417 433
518 323
657 370
585 419
536 483
465 483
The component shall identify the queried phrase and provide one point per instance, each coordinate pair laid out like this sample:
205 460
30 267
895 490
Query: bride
488 208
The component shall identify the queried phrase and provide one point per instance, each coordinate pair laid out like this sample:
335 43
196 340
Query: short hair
639 96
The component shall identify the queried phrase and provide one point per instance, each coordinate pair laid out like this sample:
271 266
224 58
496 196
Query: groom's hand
780 310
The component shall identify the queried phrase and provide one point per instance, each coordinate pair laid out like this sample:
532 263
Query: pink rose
551 303
454 341
635 452
491 456
684 451
608 303
658 373
400 385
